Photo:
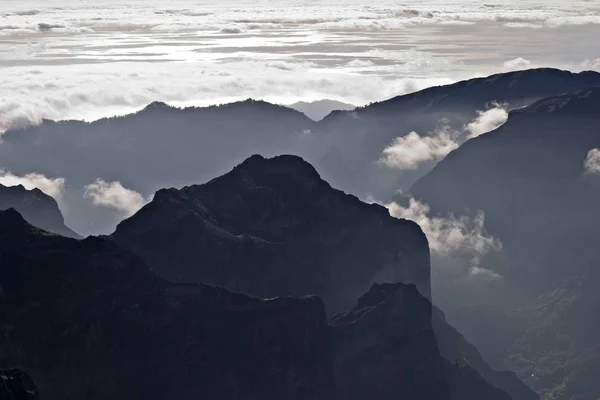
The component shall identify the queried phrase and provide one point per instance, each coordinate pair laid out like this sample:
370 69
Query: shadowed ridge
36 207
272 227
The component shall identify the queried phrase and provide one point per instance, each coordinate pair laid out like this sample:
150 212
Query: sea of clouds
86 60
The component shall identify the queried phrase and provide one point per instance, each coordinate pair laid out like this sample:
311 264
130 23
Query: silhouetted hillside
273 227
36 207
89 320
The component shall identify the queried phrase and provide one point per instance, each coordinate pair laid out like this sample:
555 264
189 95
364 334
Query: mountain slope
529 177
273 227
36 207
89 320
526 176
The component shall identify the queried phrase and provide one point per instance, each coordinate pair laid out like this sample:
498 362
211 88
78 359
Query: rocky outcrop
273 227
89 320
16 385
37 208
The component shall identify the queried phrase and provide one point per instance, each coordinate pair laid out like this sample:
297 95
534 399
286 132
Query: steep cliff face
273 227
37 208
89 320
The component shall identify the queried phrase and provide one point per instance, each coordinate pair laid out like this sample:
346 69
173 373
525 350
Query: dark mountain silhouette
162 146
273 227
529 178
36 207
89 320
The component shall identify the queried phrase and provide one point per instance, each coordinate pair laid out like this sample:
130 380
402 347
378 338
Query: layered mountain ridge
36 207
345 147
89 320
532 180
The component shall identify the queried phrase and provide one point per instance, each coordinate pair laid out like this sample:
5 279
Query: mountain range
163 146
303 253
89 320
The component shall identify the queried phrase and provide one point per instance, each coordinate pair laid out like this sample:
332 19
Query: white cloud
114 196
359 63
487 121
408 152
52 187
592 162
452 236
591 64
517 63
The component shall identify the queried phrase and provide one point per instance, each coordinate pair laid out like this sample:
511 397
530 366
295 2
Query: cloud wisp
115 196
410 151
462 235
591 164
53 187
487 121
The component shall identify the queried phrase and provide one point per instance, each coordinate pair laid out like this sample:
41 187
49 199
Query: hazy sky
87 59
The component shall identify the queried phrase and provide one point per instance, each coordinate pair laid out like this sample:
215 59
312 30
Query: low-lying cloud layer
73 60
53 187
114 196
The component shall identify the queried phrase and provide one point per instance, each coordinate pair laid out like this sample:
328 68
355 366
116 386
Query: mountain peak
273 227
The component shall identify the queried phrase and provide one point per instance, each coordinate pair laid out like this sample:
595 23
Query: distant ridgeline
162 146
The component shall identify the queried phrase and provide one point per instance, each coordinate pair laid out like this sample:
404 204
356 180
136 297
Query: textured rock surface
37 208
273 227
